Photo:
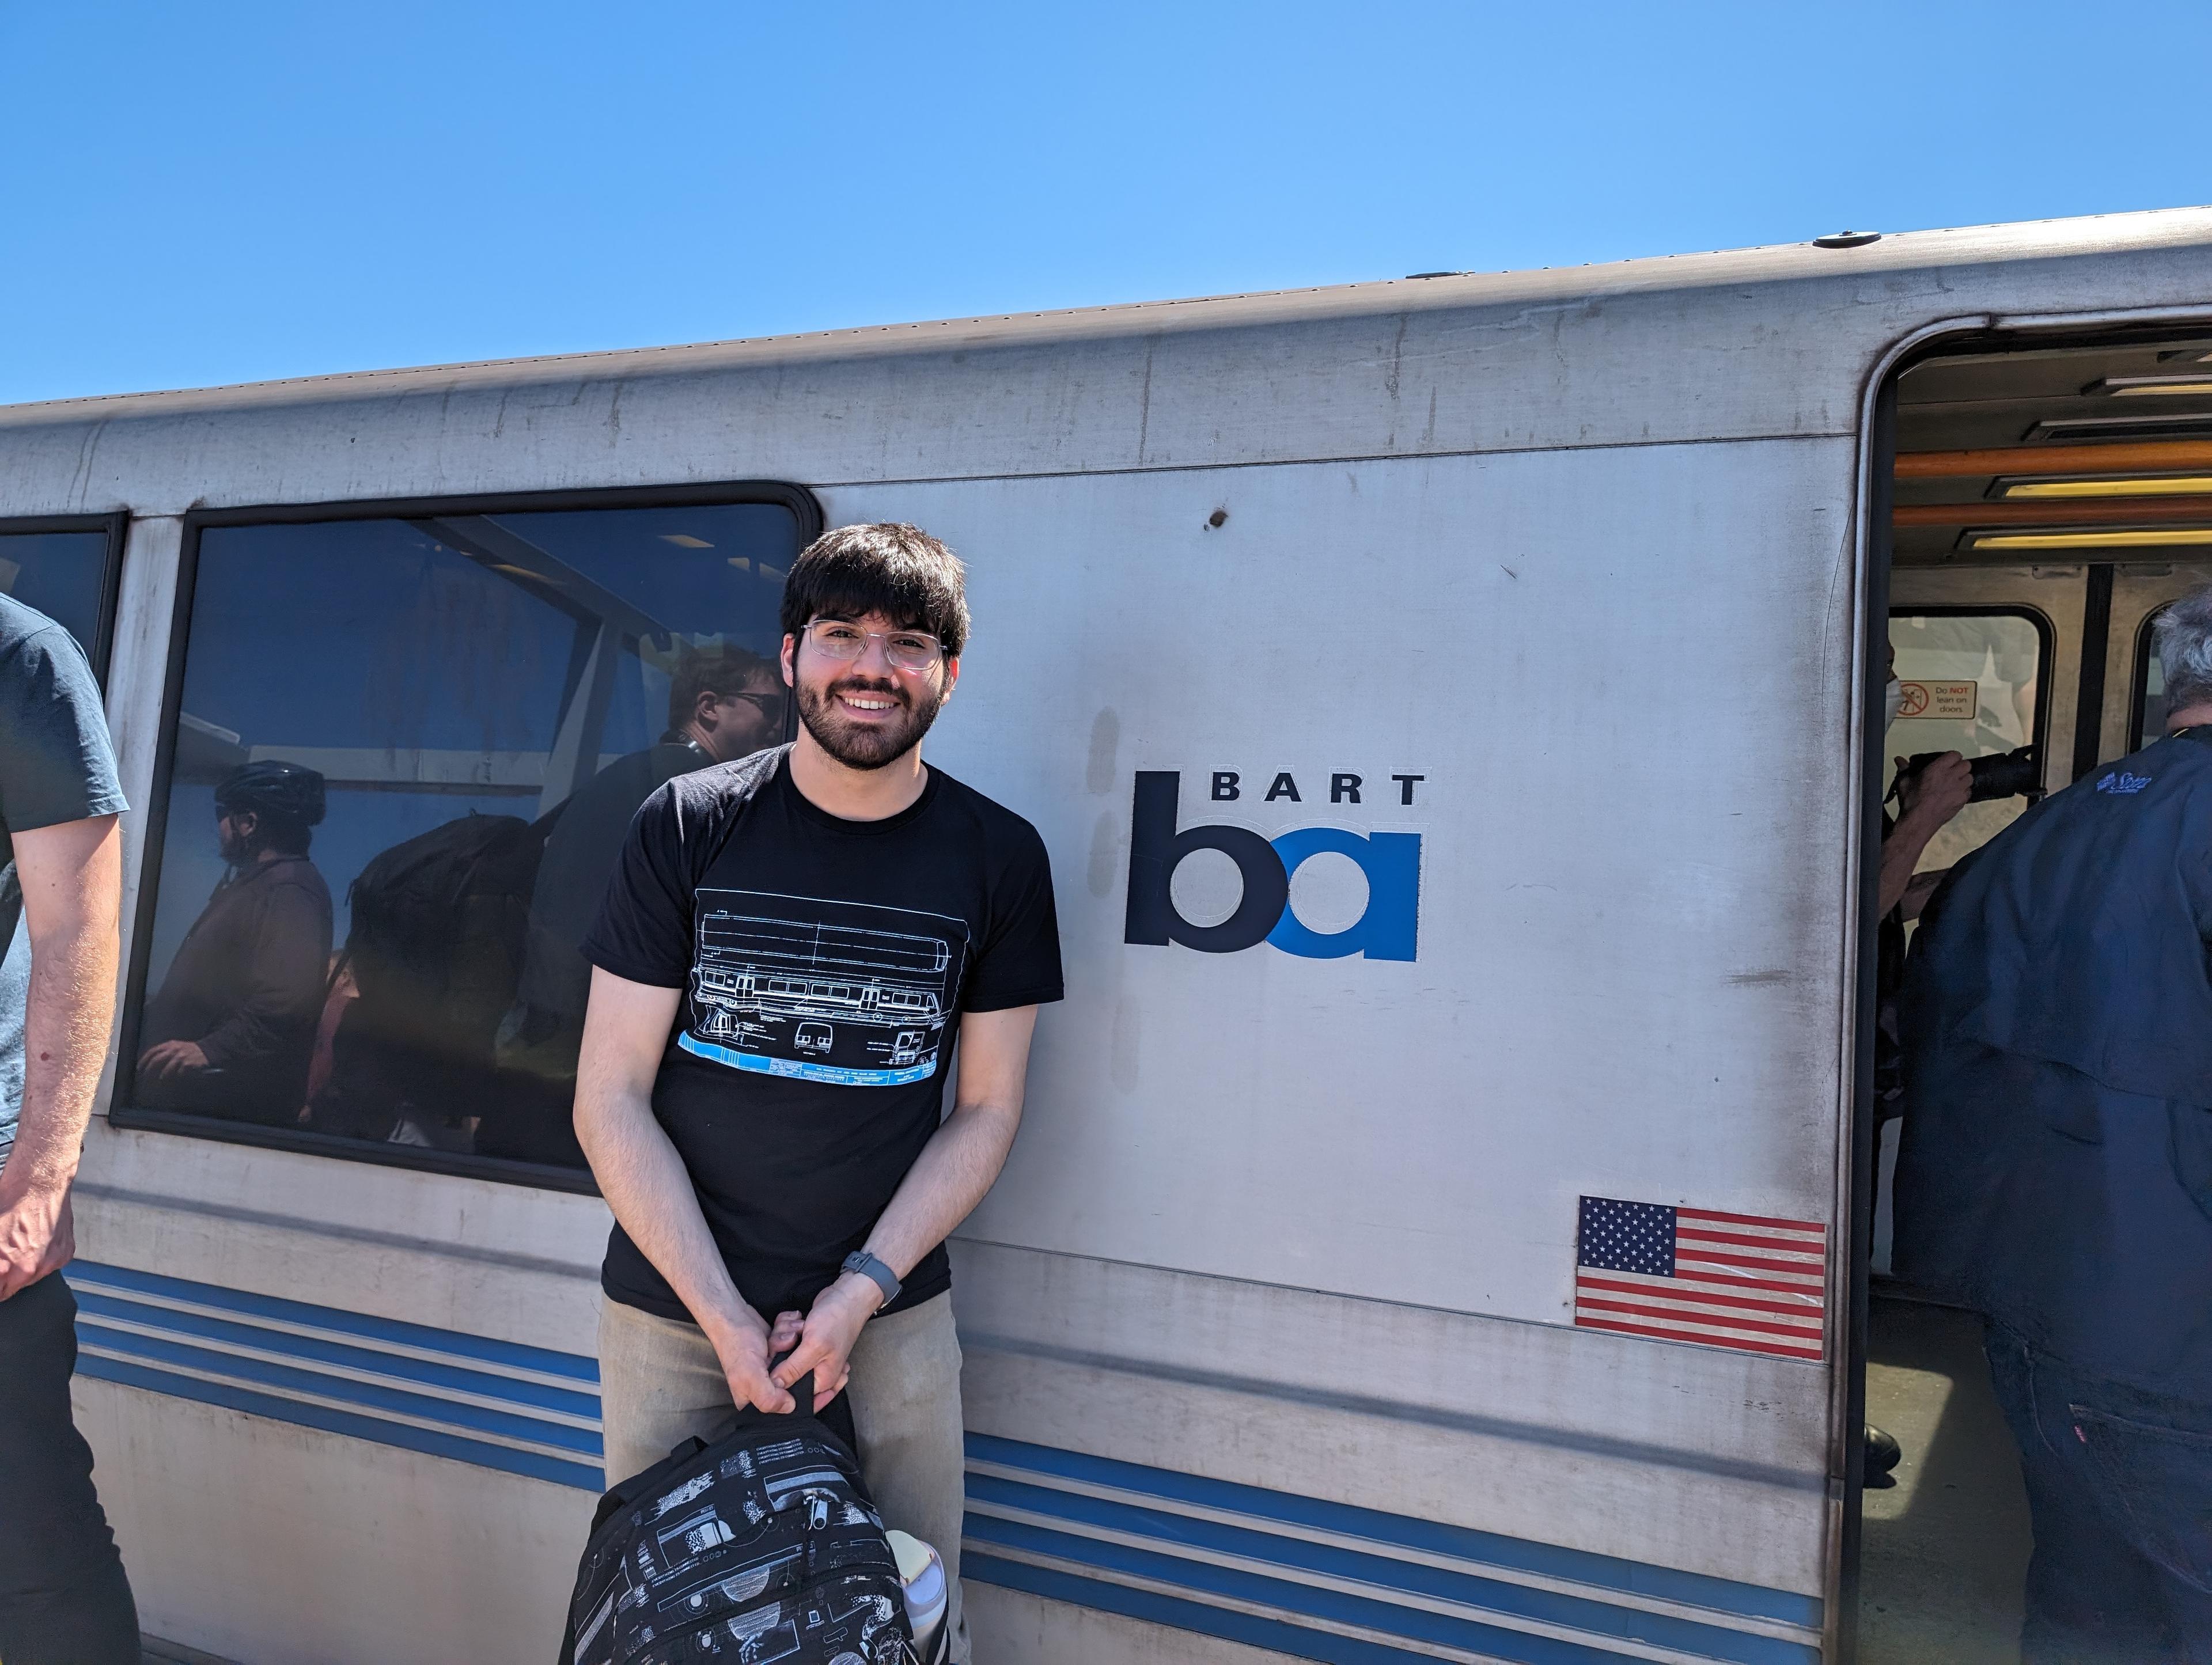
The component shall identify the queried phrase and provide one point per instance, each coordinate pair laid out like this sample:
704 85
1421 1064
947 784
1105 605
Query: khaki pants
659 1383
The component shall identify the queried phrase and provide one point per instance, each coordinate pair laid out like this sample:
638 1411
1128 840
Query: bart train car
1495 662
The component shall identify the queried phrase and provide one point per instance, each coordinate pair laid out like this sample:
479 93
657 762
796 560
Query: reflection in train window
405 755
65 575
1975 682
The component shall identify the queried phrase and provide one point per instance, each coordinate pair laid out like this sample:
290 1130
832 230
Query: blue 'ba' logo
1392 862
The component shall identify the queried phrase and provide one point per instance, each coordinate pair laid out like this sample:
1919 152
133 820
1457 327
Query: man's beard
857 747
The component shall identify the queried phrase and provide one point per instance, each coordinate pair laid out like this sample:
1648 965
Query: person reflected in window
724 702
232 1030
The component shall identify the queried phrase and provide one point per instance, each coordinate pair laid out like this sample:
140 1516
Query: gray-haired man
2057 1170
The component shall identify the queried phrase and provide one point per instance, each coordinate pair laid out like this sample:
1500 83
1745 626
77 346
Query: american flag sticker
1746 1281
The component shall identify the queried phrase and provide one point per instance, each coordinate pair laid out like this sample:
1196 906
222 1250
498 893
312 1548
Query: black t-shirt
824 963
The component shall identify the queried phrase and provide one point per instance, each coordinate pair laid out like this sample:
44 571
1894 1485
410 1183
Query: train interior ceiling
2048 501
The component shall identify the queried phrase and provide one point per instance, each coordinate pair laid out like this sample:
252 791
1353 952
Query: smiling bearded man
790 946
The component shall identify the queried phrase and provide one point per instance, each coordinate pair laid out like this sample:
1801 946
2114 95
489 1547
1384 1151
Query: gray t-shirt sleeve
57 764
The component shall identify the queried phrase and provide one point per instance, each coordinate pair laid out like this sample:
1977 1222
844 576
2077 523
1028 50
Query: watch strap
876 1273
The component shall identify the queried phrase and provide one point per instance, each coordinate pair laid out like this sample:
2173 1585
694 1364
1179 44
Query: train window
66 570
1977 682
402 755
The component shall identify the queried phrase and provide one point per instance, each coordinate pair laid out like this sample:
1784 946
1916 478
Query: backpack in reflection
435 951
763 1547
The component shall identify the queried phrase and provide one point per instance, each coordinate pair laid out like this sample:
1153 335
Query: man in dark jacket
232 1029
2056 1174
724 703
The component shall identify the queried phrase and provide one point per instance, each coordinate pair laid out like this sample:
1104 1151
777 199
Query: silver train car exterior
1526 619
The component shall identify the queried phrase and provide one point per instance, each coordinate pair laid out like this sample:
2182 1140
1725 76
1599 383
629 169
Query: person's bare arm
72 880
1920 891
953 1173
626 1029
1925 803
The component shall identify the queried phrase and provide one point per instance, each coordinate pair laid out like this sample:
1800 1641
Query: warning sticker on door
1953 699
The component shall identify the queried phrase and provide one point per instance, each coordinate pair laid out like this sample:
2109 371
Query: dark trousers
2119 1492
64 1597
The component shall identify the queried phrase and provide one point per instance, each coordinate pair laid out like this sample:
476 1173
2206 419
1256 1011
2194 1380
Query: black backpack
438 928
762 1548
435 953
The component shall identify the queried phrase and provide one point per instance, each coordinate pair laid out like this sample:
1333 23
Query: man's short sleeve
644 928
57 764
1019 963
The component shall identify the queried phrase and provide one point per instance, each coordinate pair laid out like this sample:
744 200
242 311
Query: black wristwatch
876 1271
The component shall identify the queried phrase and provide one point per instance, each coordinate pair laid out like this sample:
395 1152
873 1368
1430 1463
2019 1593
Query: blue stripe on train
1276 1635
370 1395
1297 1556
515 1355
1407 1532
1287 1596
481 1453
342 1355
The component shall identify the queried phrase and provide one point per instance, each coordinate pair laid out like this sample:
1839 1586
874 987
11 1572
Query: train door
2049 500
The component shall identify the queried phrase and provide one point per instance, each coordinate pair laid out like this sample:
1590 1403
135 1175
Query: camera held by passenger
2017 774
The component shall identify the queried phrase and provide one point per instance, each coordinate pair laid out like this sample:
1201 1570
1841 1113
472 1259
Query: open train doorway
2049 498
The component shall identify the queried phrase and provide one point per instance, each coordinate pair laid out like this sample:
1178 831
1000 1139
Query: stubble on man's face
833 705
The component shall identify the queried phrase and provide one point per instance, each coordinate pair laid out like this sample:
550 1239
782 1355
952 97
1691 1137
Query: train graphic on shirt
849 992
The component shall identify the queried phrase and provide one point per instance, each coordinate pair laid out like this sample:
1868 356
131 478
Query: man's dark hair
723 668
891 568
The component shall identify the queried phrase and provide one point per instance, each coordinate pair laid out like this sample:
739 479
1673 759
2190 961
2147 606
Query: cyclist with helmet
232 1029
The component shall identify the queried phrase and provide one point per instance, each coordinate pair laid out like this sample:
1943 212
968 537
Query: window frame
2046 652
2139 681
805 509
117 524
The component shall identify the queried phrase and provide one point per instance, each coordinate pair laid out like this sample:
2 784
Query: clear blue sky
241 189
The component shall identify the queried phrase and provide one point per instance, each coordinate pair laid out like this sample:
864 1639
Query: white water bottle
922 1576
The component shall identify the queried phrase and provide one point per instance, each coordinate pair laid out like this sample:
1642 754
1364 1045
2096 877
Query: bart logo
1388 930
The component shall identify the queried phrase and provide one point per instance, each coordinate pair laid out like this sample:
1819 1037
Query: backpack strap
752 1418
623 1493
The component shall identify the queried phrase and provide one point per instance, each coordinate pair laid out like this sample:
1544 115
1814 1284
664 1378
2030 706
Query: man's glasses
907 650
